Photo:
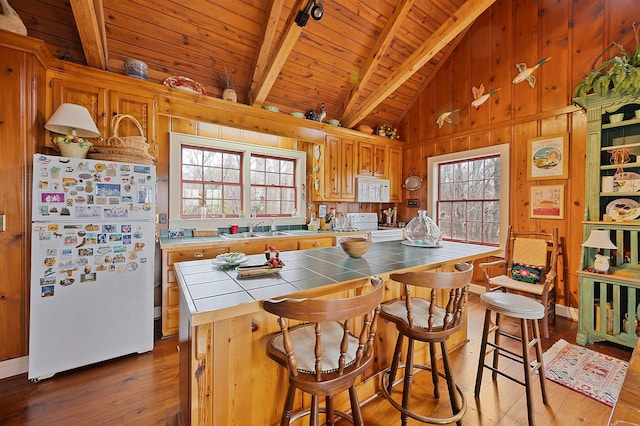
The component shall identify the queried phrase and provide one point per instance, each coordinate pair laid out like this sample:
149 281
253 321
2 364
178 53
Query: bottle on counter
423 230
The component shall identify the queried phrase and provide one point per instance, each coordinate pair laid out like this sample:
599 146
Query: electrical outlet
162 218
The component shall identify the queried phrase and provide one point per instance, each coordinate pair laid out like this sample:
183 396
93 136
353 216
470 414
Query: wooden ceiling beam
377 52
461 19
89 17
433 72
287 40
270 27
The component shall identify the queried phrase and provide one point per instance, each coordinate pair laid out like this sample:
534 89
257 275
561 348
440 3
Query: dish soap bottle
422 230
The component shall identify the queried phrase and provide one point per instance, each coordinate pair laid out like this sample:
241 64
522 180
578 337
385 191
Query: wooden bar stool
327 352
431 320
525 309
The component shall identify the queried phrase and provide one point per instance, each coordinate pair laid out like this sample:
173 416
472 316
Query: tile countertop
206 288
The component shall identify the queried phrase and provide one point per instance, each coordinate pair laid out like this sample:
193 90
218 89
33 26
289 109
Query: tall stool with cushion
529 267
525 309
430 320
327 352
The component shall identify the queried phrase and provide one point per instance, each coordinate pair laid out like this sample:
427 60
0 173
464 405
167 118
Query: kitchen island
226 377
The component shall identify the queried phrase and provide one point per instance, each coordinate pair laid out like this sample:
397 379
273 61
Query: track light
316 13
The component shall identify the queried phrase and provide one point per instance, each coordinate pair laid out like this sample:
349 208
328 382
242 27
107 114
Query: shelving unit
609 303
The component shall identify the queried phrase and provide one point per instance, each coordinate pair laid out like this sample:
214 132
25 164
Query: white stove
369 222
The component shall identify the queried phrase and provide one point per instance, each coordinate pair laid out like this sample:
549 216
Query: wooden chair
532 249
431 320
327 352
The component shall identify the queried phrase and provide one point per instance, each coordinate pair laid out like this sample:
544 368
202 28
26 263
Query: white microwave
372 190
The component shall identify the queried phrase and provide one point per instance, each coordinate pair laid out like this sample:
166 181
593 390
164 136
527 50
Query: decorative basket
73 150
137 143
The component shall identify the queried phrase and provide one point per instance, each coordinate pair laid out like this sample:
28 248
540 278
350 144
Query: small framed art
547 202
548 157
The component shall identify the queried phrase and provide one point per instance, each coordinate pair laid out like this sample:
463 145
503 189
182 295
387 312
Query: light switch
3 222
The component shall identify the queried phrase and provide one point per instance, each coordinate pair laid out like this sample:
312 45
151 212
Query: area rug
585 371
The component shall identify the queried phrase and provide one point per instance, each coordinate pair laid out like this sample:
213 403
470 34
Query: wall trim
13 367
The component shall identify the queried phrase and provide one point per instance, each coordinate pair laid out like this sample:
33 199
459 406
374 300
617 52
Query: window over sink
232 183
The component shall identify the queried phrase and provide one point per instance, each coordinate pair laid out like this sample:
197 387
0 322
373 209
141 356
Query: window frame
176 140
503 151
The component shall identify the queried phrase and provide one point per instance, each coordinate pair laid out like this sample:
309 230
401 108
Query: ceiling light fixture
316 9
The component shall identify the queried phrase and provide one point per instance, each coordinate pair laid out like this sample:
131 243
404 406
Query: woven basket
132 143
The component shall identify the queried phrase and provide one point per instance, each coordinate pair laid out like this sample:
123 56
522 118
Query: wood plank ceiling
365 60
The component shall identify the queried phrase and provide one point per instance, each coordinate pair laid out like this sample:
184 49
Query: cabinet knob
316 244
198 255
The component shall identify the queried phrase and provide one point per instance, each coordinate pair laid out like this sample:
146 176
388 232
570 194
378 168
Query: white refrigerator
92 262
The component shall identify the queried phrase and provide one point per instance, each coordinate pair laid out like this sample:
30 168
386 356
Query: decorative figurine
479 97
445 117
525 73
318 115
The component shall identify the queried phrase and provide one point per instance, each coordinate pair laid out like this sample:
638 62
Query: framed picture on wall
548 157
547 202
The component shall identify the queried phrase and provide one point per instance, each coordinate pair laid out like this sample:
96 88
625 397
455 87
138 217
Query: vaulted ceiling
367 61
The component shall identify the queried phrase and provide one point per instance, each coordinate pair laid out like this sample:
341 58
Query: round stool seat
513 305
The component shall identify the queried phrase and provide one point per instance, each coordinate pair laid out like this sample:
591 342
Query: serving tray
258 270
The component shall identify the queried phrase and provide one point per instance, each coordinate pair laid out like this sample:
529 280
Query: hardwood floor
143 390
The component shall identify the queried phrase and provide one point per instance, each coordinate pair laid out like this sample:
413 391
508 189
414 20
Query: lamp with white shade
600 239
74 123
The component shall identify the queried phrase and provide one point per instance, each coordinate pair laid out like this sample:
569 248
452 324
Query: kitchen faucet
254 224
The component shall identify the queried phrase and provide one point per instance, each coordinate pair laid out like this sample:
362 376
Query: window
211 182
469 193
272 186
232 183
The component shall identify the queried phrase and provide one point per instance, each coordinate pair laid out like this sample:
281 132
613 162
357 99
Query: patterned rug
585 371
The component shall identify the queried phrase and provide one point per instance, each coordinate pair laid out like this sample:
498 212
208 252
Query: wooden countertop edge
626 411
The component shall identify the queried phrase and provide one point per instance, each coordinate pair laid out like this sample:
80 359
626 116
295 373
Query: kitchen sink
270 234
239 236
245 235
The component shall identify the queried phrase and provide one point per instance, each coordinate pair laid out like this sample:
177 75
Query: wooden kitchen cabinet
394 174
372 159
317 242
103 103
170 293
79 92
339 179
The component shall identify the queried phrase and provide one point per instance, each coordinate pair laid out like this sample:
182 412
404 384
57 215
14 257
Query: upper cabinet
339 178
372 159
104 103
394 174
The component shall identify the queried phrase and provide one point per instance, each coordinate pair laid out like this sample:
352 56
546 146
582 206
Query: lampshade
599 239
72 119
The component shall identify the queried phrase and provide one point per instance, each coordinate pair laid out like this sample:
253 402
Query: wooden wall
572 33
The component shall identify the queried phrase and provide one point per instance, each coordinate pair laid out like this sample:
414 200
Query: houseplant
619 76
228 85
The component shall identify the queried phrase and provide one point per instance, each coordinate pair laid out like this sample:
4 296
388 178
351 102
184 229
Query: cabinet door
380 160
142 108
394 174
365 159
80 93
347 157
332 168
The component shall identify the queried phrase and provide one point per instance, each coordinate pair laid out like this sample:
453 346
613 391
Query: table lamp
74 123
600 239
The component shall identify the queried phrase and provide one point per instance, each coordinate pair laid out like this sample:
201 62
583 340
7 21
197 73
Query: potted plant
618 76
228 85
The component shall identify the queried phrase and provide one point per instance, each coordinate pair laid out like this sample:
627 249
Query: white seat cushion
304 342
420 308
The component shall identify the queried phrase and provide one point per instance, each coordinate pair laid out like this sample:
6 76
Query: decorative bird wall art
479 97
445 117
525 73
